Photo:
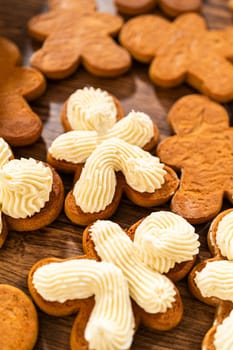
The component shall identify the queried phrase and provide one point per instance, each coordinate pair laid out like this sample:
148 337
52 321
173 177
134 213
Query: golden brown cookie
202 150
210 281
31 193
73 33
113 168
230 3
172 8
42 275
19 125
183 51
18 319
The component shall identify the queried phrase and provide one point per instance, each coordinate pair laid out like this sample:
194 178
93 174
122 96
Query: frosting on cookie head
77 145
25 187
111 324
151 290
163 239
224 236
5 152
91 109
223 337
95 189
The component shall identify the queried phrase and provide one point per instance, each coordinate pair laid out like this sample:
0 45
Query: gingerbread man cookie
203 150
211 282
31 193
94 116
73 33
126 269
18 319
114 167
172 8
183 51
19 125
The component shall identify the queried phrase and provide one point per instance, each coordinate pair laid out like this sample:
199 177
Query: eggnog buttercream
216 280
111 324
5 152
77 145
163 239
91 109
25 187
223 339
151 290
224 236
95 189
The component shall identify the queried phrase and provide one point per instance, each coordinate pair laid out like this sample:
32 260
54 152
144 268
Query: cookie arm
40 26
171 151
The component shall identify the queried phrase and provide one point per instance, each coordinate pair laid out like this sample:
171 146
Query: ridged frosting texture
163 239
77 145
25 187
216 280
151 290
95 189
5 152
223 339
111 324
224 236
91 109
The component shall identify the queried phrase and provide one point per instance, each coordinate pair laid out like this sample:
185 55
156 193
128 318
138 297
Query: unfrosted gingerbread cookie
172 8
19 125
183 51
73 33
113 270
211 282
31 193
18 319
93 116
202 150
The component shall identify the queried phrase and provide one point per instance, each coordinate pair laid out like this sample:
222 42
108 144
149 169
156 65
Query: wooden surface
63 239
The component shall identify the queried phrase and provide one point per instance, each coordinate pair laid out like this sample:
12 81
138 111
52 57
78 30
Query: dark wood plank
62 239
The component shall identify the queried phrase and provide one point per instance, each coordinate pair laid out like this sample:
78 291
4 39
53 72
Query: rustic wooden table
63 239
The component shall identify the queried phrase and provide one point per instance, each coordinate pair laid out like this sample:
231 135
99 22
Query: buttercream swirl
95 189
216 280
91 109
224 235
111 324
223 339
5 152
164 239
151 290
77 145
25 187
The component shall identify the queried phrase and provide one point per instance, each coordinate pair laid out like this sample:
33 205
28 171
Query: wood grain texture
63 239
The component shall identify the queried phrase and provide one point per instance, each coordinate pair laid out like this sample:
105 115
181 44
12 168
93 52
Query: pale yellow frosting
164 239
95 189
150 289
91 109
224 236
77 145
111 324
223 339
25 187
0 222
5 152
216 280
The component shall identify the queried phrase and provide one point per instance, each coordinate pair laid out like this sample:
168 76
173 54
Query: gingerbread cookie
203 150
172 8
18 319
73 33
19 125
97 190
211 282
95 116
230 3
156 302
183 51
31 193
